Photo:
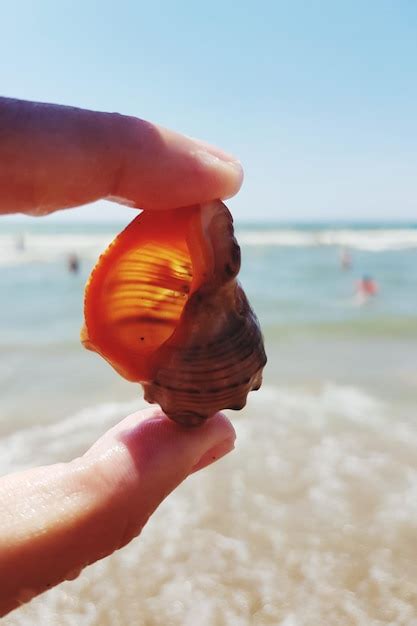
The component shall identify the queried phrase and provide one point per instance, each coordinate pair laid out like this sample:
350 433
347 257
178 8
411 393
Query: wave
16 249
72 435
371 240
62 440
46 248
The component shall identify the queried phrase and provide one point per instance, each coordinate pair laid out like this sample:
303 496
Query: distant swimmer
345 259
366 289
73 264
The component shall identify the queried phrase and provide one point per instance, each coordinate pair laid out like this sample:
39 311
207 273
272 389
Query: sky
317 98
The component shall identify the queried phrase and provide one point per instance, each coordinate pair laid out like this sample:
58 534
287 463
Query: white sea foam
373 240
43 248
312 520
66 439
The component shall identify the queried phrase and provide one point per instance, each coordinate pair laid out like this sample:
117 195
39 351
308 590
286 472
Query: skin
56 520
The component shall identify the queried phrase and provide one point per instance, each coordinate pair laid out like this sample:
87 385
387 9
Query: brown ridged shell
163 306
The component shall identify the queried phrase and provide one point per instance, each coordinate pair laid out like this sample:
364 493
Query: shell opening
146 293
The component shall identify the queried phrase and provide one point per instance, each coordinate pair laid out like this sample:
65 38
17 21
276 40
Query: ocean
313 518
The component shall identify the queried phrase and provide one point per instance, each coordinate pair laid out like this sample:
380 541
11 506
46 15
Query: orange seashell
164 308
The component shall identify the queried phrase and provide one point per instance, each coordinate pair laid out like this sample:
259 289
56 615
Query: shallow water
313 519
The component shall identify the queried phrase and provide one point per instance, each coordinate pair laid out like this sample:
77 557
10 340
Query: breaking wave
43 248
372 240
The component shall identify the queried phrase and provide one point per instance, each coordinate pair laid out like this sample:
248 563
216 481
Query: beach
313 518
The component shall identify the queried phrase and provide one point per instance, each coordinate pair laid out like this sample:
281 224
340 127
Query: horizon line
60 219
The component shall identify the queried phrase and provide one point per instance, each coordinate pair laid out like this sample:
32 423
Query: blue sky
318 99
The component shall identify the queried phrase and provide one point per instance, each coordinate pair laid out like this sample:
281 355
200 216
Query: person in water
345 259
366 289
57 519
73 264
367 286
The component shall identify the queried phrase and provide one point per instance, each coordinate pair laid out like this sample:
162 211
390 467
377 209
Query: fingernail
231 171
208 148
214 157
215 453
219 160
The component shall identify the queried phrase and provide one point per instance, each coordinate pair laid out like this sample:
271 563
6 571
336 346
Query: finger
162 169
60 518
55 157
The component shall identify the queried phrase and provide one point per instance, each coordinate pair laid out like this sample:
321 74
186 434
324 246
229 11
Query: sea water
313 518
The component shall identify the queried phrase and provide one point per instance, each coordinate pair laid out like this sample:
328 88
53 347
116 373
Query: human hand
57 519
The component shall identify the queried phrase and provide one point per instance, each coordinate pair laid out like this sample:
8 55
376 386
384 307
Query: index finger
55 157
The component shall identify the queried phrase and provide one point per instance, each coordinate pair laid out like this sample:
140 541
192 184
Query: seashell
164 308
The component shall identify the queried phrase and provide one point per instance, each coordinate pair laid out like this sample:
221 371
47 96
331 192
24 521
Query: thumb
58 519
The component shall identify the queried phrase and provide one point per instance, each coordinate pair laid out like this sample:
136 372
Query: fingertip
221 425
162 169
214 454
212 172
158 444
223 177
134 467
148 450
